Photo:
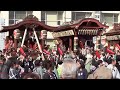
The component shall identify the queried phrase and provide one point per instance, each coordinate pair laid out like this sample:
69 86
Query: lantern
43 34
16 34
110 51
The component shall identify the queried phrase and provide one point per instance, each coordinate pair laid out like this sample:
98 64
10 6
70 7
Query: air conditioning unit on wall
97 15
87 15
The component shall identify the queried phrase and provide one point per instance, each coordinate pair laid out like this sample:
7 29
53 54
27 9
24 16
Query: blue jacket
82 74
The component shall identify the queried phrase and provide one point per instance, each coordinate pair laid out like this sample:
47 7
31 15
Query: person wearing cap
81 72
113 68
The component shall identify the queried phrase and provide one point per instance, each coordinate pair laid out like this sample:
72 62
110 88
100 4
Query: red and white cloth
109 51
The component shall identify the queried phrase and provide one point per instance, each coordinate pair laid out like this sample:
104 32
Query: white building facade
56 18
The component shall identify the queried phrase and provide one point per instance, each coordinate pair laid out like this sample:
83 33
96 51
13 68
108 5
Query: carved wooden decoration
31 25
16 33
116 26
32 17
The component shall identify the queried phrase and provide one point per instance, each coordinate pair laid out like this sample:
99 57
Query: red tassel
109 51
60 51
108 45
47 52
98 54
22 52
30 46
6 46
117 45
34 47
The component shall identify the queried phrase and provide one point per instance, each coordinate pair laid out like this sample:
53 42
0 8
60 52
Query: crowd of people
85 63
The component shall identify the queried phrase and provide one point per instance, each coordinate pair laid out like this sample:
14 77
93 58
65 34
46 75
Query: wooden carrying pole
38 44
23 40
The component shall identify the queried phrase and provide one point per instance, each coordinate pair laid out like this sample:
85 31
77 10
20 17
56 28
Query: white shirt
101 58
105 63
115 72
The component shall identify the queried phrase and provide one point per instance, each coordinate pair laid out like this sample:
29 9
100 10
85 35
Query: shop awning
88 32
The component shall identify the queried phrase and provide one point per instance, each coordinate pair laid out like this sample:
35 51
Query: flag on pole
46 52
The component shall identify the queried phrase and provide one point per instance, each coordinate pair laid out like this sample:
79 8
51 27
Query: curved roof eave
113 32
93 20
51 28
22 23
72 26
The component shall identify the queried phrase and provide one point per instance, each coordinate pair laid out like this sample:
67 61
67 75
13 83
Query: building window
43 15
15 16
43 21
115 18
110 19
11 14
80 15
97 12
97 16
20 14
73 16
11 21
52 17
59 15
